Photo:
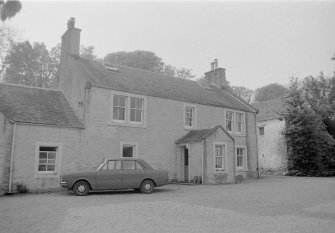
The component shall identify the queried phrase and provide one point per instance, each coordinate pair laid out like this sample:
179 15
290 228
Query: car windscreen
145 165
99 164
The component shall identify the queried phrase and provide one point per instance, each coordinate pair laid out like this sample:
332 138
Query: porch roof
199 135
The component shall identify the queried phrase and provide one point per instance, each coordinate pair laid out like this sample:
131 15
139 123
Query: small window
240 158
261 130
229 120
47 159
219 152
239 122
189 117
128 151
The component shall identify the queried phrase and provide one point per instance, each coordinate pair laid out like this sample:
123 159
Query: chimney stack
216 75
71 40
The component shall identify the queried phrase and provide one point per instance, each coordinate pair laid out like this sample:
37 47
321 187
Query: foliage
146 60
21 188
9 8
31 65
88 52
7 38
244 93
270 92
310 145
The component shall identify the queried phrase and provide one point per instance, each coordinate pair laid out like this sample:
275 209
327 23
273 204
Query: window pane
139 115
132 102
51 168
129 165
218 163
122 102
121 114
115 100
51 155
42 167
128 151
42 161
51 161
47 148
132 114
43 155
115 113
139 103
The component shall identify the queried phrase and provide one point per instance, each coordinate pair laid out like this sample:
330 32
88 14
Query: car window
139 166
114 165
129 165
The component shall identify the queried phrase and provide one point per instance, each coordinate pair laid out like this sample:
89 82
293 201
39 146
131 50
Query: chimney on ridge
216 75
71 40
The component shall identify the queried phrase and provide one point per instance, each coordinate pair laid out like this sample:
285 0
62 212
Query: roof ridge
27 86
157 73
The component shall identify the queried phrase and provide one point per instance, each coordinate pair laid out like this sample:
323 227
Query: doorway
186 165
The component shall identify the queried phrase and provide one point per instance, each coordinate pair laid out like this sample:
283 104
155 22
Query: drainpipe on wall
202 161
258 172
11 161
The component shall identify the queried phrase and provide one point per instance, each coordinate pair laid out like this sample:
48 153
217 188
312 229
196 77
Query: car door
132 173
110 176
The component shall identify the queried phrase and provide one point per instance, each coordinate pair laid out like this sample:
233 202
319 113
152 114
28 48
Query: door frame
181 149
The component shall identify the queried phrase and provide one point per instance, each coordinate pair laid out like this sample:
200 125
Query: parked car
116 174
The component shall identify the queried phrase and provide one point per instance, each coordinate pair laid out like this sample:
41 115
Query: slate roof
158 85
23 104
199 135
269 110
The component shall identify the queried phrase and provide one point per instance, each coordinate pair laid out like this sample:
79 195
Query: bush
21 188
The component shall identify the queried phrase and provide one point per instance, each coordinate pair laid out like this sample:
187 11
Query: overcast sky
258 43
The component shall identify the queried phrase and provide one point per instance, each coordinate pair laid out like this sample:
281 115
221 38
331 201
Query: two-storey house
193 130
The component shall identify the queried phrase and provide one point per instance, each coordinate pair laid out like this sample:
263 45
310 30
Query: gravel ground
270 204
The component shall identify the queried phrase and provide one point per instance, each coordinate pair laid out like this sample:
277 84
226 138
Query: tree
7 40
88 52
270 92
144 60
310 146
9 8
244 93
31 65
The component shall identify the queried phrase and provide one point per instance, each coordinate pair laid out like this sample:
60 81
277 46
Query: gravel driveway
270 204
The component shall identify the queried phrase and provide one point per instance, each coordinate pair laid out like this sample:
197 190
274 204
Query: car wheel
81 188
147 186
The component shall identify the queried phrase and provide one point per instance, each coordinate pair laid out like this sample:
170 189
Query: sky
258 43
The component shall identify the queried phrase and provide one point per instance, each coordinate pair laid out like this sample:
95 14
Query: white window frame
127 121
58 163
233 120
224 169
243 122
135 151
245 157
194 118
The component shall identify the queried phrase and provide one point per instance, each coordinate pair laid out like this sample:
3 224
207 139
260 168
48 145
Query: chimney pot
70 23
215 64
212 65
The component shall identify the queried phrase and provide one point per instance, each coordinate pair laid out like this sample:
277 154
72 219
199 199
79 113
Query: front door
110 176
186 165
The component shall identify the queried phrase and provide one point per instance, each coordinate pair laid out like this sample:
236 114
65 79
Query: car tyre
147 186
81 188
